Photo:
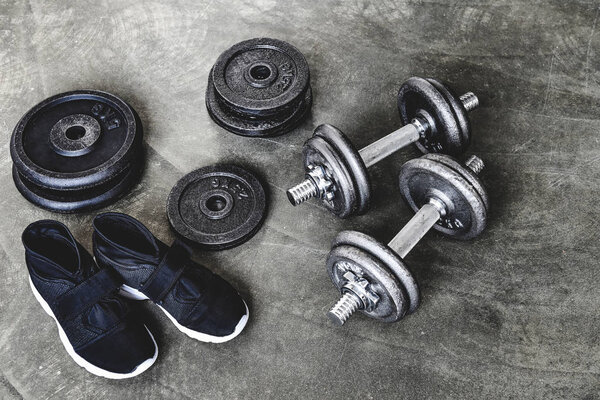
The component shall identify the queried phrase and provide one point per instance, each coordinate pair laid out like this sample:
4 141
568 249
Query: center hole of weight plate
260 72
75 135
75 132
216 203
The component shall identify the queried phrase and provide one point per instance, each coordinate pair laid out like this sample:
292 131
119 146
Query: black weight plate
317 151
392 304
252 126
70 201
259 87
261 76
353 161
445 136
75 140
217 207
423 178
465 172
385 256
459 111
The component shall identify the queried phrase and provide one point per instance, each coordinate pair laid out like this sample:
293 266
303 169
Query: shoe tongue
58 253
80 268
87 266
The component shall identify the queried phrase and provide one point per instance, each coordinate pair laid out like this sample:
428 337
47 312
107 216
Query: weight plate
385 256
460 114
317 151
347 153
392 303
418 95
217 207
252 126
465 172
75 140
259 87
69 201
466 213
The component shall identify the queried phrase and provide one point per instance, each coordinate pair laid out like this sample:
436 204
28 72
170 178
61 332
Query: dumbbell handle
425 218
391 143
415 229
408 134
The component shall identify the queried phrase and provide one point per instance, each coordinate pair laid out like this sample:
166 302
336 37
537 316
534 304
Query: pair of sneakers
90 300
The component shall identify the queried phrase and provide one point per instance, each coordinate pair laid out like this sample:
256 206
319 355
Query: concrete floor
513 314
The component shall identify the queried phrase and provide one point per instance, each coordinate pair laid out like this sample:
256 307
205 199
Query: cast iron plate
259 87
77 151
217 207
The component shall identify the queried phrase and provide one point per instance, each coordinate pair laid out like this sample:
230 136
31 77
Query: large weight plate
77 151
259 87
75 140
68 201
217 207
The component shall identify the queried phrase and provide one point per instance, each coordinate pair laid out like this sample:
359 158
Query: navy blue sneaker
201 304
94 323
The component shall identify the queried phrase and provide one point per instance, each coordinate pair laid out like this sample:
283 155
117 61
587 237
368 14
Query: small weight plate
346 152
423 178
69 201
459 111
446 135
465 172
75 140
317 151
252 126
259 87
217 207
385 256
392 303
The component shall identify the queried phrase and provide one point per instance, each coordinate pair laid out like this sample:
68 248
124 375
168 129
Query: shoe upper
83 299
197 298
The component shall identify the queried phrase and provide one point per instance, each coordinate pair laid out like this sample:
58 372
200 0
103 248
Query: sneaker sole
91 368
134 294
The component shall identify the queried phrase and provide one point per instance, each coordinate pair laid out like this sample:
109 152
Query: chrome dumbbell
371 276
434 119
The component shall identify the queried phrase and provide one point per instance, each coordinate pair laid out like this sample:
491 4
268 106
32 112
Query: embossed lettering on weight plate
452 223
286 77
234 187
433 147
106 115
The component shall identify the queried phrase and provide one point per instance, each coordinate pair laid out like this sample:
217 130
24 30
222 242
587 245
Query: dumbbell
433 118
373 277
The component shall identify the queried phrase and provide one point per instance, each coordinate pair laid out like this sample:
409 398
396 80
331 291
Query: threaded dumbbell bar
371 276
435 120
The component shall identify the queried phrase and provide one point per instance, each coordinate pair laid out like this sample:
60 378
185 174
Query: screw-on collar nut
362 289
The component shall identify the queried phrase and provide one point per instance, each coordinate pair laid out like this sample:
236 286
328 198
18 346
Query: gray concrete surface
513 314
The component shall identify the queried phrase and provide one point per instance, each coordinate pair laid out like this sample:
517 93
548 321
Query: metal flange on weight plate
217 207
77 151
259 87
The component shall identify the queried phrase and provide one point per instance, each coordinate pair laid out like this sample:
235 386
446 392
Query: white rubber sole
80 360
134 294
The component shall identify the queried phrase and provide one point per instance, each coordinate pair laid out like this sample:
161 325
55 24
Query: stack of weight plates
259 87
77 151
